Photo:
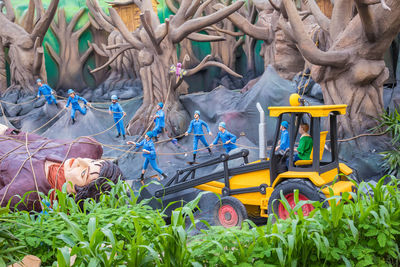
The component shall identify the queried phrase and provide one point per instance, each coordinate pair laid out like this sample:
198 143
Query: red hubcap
228 216
284 214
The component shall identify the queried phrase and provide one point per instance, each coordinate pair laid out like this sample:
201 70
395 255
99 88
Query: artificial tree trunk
3 72
69 61
121 68
25 47
352 70
156 44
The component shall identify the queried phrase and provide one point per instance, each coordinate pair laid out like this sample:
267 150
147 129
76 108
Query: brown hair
305 127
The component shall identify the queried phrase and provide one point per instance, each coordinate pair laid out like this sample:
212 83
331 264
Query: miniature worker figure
47 91
283 143
228 139
197 126
74 100
305 144
118 113
159 119
149 153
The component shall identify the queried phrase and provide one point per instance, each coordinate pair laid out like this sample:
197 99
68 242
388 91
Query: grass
357 230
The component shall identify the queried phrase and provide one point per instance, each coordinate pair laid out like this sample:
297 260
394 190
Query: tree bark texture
69 61
352 70
156 45
3 73
25 46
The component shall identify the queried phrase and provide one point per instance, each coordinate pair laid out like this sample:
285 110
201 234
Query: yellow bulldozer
254 188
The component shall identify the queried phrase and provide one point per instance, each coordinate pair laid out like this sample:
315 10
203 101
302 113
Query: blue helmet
285 124
149 134
70 91
161 104
114 97
197 112
222 124
38 81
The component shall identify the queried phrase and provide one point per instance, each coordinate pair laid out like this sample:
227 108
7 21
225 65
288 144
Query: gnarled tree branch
205 38
205 63
367 22
322 20
98 17
307 46
179 32
120 25
341 16
146 23
43 24
261 33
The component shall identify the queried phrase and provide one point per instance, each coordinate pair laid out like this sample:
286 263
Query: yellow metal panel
329 176
314 111
250 179
312 176
338 188
345 169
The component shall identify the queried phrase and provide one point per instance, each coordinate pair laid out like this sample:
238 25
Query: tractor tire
307 191
229 212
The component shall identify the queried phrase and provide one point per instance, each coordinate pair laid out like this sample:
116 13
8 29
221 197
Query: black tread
305 187
236 204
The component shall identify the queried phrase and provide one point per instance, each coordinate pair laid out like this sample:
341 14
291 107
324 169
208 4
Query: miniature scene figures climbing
149 153
159 120
196 125
118 113
47 92
74 99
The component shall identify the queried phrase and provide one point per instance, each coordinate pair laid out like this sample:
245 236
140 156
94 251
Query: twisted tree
352 70
121 67
25 45
156 45
69 61
3 72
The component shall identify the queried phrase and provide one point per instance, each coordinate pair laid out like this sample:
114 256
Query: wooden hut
326 7
129 12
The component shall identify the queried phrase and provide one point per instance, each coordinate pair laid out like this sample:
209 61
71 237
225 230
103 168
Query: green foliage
390 123
357 229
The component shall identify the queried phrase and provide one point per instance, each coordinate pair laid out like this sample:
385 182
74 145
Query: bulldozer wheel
229 212
307 191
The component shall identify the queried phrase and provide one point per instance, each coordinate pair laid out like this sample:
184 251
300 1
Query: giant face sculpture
31 163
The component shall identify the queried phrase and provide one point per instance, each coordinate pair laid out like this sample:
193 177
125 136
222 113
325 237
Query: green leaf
382 240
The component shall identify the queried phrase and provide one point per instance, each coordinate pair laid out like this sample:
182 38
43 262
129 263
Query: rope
17 104
4 114
34 131
32 169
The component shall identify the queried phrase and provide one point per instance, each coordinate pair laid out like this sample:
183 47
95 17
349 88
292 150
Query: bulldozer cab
315 116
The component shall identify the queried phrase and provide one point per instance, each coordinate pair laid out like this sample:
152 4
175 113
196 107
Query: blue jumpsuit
76 106
118 113
197 127
149 158
46 91
225 136
284 140
160 123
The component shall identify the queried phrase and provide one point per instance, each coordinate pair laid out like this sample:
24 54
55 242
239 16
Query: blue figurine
196 126
228 139
74 100
283 143
149 153
47 91
118 113
159 120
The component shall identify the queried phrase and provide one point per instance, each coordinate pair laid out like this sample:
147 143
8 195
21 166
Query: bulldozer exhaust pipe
261 133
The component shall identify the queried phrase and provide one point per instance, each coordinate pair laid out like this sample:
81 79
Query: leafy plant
390 123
